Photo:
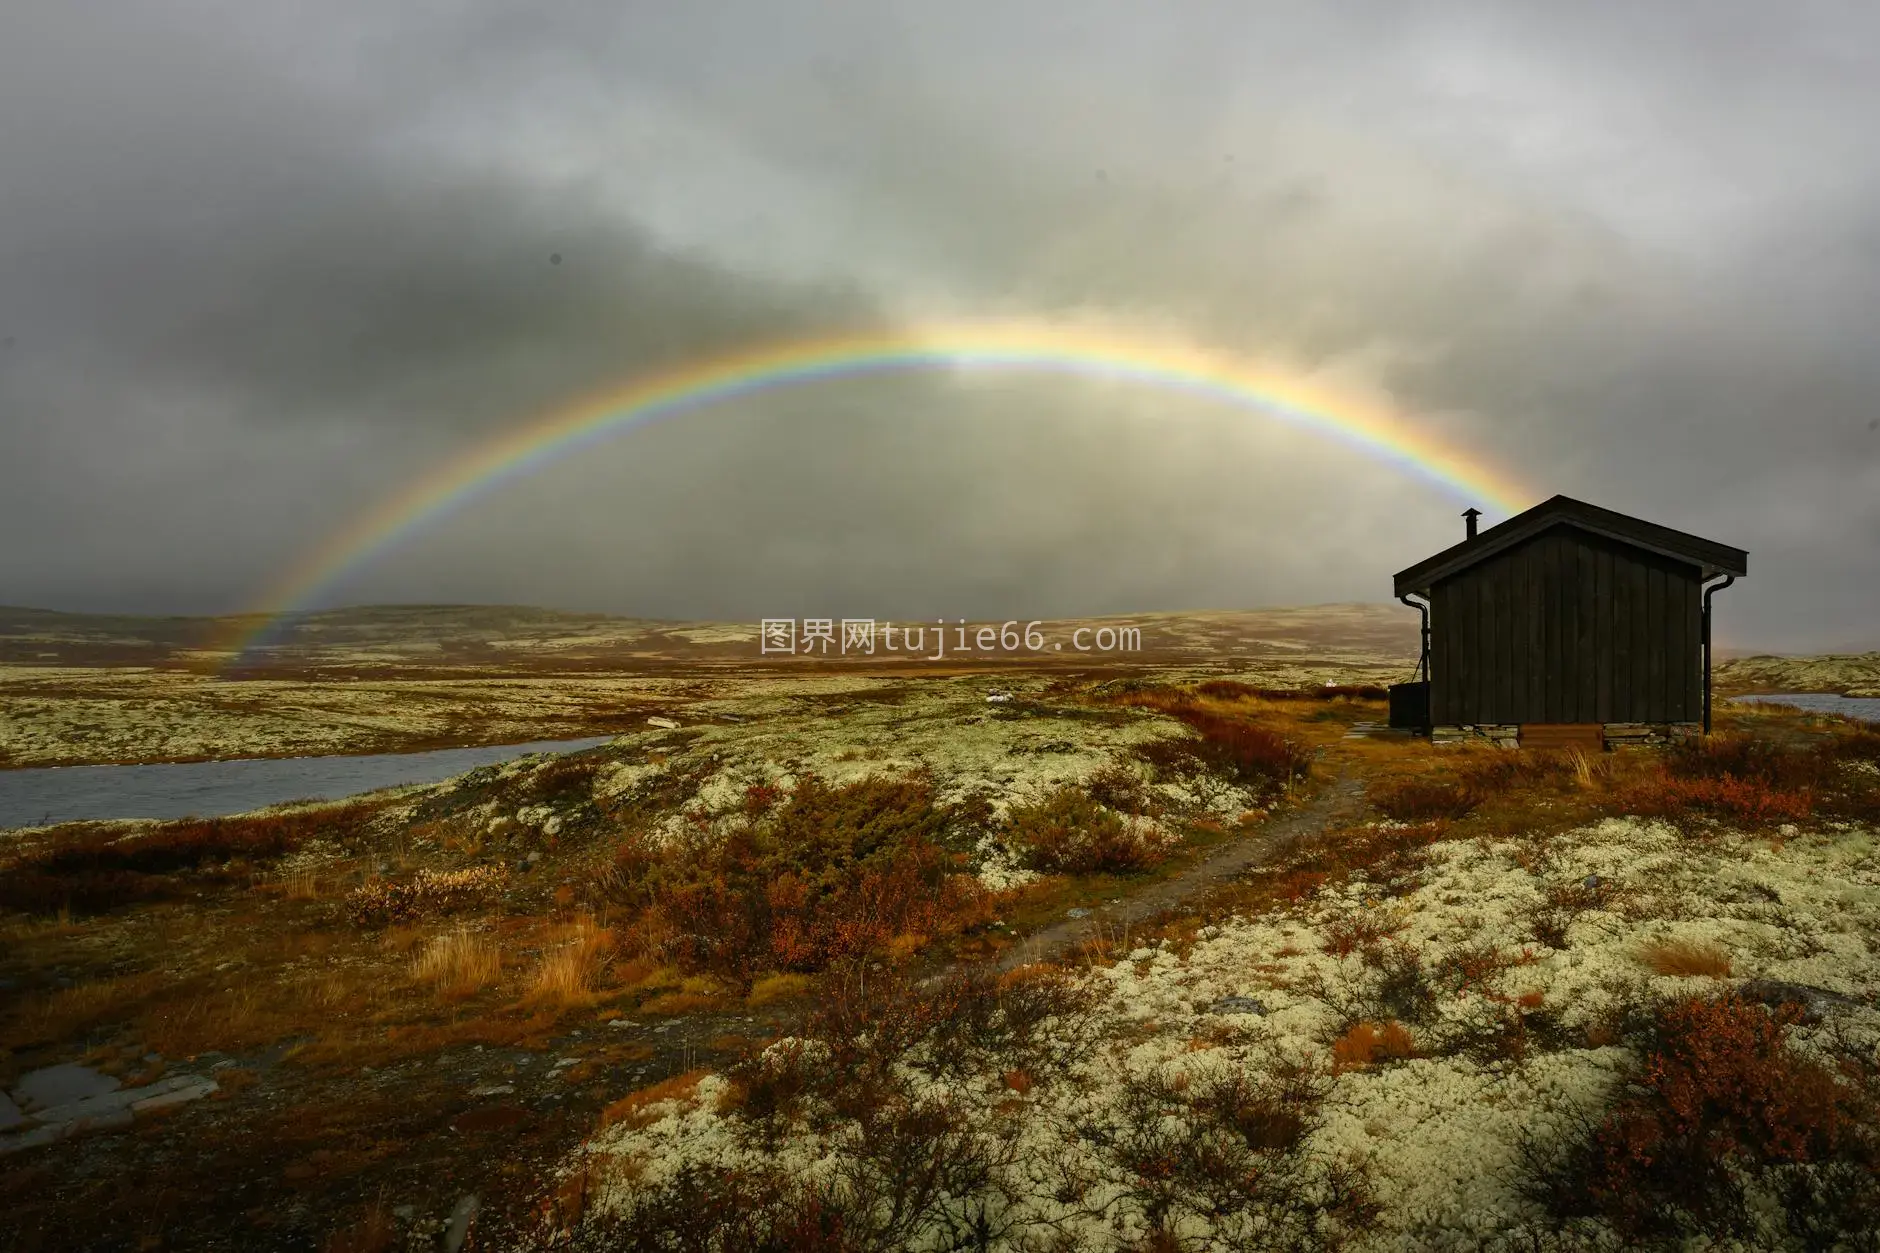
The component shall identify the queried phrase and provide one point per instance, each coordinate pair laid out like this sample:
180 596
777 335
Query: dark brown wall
1569 627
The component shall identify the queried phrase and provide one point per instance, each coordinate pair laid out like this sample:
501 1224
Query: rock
1237 1005
668 724
493 1089
10 1116
60 1085
169 1090
404 1213
1077 913
1777 992
176 1096
460 1219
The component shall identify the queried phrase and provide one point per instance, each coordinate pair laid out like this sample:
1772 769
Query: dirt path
1341 801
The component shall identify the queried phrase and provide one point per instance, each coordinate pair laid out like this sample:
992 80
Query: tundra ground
1156 960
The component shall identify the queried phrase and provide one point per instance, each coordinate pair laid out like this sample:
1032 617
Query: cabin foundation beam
1650 734
1503 735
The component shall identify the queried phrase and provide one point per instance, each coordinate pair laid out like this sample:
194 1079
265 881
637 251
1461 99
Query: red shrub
1751 801
1242 751
1720 1098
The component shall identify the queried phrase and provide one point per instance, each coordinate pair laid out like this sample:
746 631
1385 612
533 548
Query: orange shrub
1364 1043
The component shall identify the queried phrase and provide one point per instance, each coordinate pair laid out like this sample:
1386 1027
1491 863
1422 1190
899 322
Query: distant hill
511 638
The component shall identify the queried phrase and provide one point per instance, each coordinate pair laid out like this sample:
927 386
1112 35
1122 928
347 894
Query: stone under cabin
1567 626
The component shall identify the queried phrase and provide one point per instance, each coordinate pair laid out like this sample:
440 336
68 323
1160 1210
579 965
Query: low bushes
92 869
1244 752
1231 689
1068 832
562 777
1233 1149
1726 1130
903 1163
1758 782
1422 800
1223 744
429 892
830 873
1743 801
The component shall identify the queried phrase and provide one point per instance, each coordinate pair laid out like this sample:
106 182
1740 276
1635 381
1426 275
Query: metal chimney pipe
1469 516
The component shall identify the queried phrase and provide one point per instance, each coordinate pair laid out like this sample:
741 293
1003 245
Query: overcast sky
263 264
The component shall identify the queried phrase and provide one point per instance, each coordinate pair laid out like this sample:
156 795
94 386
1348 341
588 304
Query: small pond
1866 708
212 789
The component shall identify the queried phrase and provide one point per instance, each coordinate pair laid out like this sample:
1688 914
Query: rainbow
1028 345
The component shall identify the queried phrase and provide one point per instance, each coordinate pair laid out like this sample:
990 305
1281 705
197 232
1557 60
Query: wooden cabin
1566 625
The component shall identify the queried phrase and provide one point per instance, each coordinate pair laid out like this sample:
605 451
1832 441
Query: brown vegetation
428 892
1364 1043
1687 959
1723 1106
1069 832
831 873
94 867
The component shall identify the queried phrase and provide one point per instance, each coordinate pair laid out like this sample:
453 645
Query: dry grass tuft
567 974
769 989
375 1231
1687 959
458 962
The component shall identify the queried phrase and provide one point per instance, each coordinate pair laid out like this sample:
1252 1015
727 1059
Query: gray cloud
259 270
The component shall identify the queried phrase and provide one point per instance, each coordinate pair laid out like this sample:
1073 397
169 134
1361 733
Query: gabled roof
1708 556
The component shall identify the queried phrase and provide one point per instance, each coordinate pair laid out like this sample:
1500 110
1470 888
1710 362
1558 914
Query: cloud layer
259 270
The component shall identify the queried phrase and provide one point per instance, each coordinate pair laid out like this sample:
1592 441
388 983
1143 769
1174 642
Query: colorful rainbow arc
1031 346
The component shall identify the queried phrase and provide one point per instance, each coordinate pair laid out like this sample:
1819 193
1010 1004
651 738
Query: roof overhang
1711 558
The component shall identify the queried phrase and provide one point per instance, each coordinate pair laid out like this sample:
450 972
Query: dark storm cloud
260 269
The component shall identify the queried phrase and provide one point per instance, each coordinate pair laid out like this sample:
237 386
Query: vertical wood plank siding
1569 627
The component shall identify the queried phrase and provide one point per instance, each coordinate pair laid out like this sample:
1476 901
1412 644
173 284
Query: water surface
212 789
1866 708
